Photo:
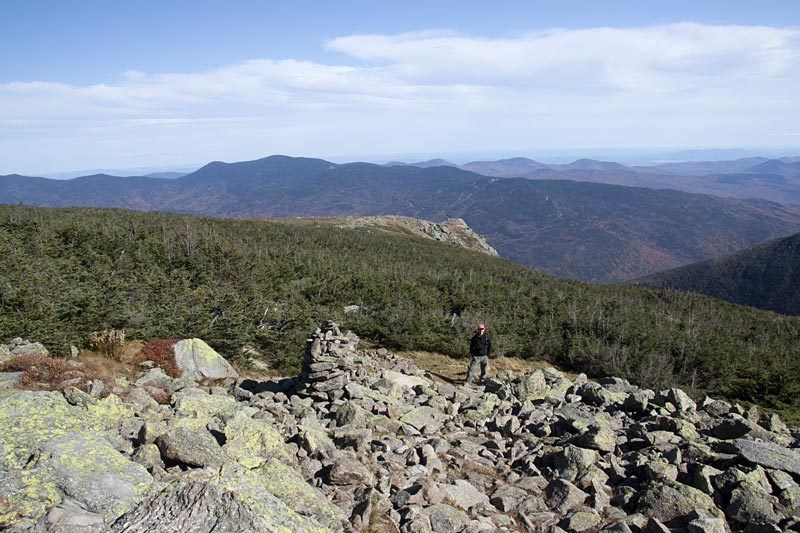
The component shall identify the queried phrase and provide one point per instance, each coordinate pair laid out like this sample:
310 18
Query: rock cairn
328 358
364 440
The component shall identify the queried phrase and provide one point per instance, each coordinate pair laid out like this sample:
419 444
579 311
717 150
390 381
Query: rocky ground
364 440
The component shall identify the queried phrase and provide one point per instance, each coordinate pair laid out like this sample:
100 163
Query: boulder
424 417
197 361
563 496
199 404
444 518
212 504
190 446
88 469
28 348
769 455
672 502
5 353
463 494
346 470
250 442
289 486
750 504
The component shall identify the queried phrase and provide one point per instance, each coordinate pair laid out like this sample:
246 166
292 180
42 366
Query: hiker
480 347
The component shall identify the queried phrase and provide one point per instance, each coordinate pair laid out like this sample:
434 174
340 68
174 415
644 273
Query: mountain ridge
766 276
570 228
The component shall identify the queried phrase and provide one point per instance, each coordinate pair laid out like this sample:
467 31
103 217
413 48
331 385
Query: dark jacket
480 345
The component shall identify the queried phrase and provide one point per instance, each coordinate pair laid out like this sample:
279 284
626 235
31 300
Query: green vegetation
265 284
766 276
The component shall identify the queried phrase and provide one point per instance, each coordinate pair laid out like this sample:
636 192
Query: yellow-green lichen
287 484
86 467
208 405
277 517
250 442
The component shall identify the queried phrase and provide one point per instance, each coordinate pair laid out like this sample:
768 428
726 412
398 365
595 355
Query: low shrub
160 352
40 372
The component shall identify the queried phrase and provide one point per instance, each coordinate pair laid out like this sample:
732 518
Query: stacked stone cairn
364 440
328 359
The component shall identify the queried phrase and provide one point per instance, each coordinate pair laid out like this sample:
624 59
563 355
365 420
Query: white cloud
678 84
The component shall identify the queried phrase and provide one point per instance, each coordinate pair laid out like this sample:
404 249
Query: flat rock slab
463 494
423 416
406 380
769 455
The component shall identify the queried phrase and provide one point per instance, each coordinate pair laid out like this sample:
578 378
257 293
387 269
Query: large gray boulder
207 506
190 446
87 468
769 455
197 361
672 503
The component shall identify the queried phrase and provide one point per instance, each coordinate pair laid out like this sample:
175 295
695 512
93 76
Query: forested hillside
265 284
766 276
583 230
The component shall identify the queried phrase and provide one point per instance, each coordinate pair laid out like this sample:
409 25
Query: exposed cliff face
364 440
453 231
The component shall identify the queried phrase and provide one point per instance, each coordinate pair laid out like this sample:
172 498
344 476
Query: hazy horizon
114 85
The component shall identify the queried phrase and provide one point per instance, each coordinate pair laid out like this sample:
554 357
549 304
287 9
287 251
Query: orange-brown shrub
40 372
159 351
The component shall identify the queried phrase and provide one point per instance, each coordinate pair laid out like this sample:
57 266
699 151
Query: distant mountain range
766 276
777 180
570 228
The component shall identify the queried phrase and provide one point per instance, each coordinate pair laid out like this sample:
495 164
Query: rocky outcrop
453 231
364 440
20 346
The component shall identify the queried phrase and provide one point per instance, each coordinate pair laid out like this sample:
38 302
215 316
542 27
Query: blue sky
87 85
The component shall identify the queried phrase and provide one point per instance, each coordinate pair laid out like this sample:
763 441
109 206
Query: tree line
255 288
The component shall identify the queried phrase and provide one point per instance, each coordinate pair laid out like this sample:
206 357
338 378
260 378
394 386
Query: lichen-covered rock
600 437
5 353
197 361
406 380
672 502
189 446
32 418
269 510
206 506
581 521
463 494
87 468
424 417
769 455
508 498
346 470
750 504
563 496
203 405
352 414
28 348
289 486
314 439
445 518
250 442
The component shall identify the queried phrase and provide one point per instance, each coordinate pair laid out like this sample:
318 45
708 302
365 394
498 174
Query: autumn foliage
160 352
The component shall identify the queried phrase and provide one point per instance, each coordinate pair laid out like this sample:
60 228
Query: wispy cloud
435 90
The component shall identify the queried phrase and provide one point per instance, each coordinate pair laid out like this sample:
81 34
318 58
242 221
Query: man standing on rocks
480 346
